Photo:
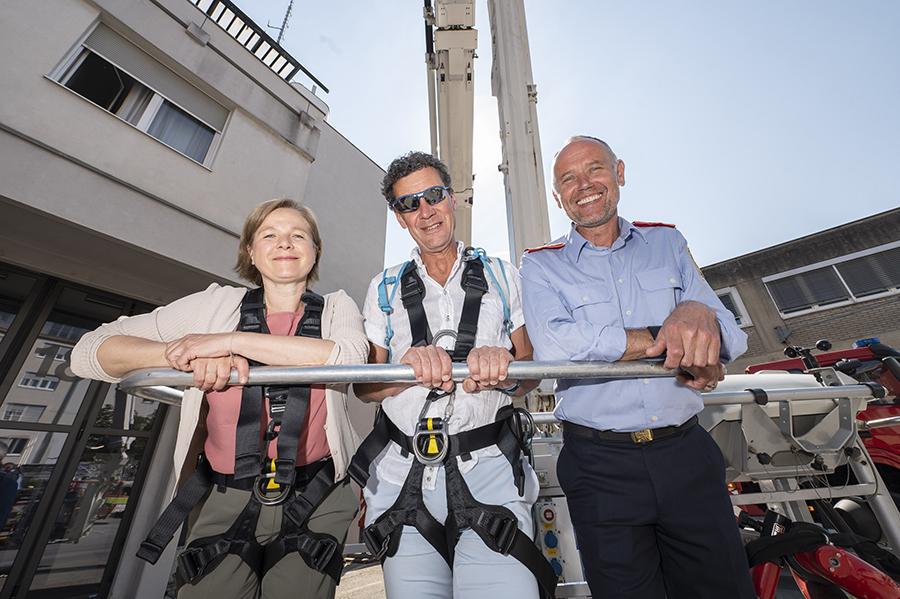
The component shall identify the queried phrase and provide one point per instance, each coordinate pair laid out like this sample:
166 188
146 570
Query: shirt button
621 281
671 280
654 419
447 319
628 312
646 381
584 298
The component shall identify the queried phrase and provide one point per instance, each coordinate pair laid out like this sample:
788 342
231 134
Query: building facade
135 136
841 284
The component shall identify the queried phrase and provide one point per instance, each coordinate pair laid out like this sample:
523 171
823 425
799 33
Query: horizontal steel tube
864 490
805 393
880 423
398 373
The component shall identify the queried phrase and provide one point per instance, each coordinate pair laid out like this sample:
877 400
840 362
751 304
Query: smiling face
431 227
587 177
282 249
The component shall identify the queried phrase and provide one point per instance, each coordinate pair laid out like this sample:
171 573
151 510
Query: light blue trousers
417 570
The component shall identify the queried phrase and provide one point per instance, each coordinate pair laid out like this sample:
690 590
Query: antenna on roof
284 24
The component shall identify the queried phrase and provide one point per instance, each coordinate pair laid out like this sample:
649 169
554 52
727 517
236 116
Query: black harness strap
176 512
247 443
412 293
500 433
476 286
321 552
497 526
369 449
382 537
240 539
287 405
295 412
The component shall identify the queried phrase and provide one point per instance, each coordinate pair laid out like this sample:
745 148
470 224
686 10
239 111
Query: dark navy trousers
654 520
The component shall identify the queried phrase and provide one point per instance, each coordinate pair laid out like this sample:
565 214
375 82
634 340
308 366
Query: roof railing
253 37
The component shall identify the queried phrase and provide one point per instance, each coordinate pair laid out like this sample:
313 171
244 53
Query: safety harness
406 278
431 444
272 481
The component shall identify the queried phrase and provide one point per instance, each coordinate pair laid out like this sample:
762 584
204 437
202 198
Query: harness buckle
189 566
474 281
267 491
501 530
278 396
431 441
377 545
320 550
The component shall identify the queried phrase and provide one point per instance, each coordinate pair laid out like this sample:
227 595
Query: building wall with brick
770 329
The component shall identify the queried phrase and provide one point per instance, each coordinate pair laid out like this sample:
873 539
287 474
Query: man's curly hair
407 165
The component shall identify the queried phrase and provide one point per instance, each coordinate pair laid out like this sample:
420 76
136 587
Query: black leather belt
304 475
644 436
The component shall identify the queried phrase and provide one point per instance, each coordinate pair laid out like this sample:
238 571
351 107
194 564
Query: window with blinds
855 277
119 77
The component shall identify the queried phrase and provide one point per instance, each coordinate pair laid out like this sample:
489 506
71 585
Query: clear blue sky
745 123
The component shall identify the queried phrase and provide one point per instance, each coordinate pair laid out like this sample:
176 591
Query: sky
746 123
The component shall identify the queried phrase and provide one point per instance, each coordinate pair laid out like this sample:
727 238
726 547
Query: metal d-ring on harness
271 481
431 443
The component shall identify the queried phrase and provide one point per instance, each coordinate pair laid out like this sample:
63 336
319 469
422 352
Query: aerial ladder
451 40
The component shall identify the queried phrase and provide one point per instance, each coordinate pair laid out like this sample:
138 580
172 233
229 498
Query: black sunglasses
410 202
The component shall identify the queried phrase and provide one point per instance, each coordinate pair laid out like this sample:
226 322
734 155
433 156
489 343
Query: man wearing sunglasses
454 522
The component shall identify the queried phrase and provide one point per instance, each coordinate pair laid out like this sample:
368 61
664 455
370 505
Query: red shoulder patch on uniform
549 246
641 224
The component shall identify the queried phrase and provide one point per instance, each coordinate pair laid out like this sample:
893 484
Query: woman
208 333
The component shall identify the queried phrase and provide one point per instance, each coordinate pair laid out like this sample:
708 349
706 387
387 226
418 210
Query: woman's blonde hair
245 268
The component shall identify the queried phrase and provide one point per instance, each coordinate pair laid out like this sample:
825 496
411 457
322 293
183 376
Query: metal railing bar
720 398
390 373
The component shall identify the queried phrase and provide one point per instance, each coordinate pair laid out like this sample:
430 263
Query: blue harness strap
384 302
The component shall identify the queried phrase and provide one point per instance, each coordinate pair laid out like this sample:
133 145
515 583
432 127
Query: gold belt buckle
642 436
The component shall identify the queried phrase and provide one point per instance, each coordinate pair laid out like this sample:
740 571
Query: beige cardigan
217 310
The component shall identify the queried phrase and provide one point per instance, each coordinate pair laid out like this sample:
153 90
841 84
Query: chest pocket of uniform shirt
591 302
662 288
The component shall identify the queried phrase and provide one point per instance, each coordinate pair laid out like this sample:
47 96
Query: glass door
73 448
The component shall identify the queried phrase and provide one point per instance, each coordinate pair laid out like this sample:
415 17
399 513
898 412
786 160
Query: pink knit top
225 407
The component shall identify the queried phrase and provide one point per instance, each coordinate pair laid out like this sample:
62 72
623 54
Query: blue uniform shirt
579 299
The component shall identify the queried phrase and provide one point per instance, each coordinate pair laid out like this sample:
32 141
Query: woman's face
282 249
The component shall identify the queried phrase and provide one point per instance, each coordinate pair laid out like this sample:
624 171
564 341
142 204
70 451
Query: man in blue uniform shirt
645 486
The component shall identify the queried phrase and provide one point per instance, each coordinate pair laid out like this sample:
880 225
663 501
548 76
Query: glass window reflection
86 526
25 471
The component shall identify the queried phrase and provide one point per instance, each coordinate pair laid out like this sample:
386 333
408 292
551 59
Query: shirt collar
416 256
576 243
